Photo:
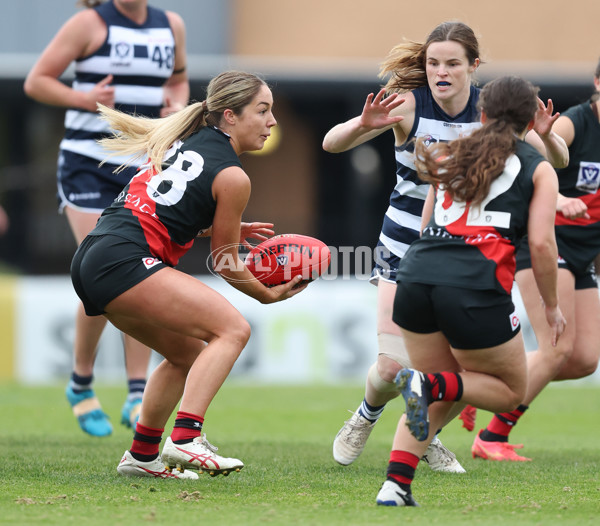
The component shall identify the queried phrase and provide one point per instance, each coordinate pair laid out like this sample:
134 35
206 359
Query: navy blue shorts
104 267
385 264
83 184
468 318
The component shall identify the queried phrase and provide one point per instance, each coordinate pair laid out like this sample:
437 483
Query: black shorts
583 279
468 318
104 267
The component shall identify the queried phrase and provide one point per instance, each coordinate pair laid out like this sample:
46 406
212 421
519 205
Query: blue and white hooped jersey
402 221
140 58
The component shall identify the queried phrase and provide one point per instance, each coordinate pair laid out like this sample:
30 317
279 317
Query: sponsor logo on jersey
150 262
514 321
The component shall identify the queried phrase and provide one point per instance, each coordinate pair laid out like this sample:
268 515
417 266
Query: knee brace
378 383
392 346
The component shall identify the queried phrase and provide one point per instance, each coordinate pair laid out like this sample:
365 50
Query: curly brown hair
466 167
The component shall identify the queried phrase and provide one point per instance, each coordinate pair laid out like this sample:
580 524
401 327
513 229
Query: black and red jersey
474 247
166 210
578 239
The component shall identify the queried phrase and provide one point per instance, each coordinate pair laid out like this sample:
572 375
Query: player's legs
170 302
583 361
88 330
137 357
175 314
391 353
380 388
543 364
492 378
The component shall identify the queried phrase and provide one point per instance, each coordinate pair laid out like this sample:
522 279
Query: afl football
281 258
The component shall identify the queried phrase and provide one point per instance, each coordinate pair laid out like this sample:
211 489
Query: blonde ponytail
138 137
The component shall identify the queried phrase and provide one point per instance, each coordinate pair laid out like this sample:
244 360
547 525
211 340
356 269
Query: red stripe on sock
183 414
400 479
503 428
451 386
185 433
142 447
404 457
148 431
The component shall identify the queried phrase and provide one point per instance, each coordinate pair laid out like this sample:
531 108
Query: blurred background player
130 56
578 239
136 286
435 80
4 221
453 300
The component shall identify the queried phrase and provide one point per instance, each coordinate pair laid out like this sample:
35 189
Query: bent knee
387 368
579 367
513 397
238 332
559 355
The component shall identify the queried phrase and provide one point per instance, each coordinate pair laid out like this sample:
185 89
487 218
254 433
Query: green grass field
51 473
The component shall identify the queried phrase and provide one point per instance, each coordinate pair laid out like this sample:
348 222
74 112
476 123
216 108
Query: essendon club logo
150 262
514 321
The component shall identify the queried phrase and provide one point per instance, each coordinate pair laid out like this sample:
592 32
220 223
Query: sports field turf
51 473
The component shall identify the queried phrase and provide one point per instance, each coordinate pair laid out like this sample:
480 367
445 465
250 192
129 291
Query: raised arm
379 114
545 139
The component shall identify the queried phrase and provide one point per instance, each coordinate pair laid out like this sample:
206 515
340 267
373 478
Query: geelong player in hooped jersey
577 228
130 56
124 269
429 96
453 301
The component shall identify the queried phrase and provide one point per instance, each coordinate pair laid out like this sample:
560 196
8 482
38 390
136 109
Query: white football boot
440 458
351 439
391 494
198 454
131 467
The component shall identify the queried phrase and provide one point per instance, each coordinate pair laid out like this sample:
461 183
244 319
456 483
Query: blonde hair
136 137
405 63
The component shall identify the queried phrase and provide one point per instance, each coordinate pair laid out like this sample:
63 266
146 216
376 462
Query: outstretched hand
259 231
544 119
376 111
